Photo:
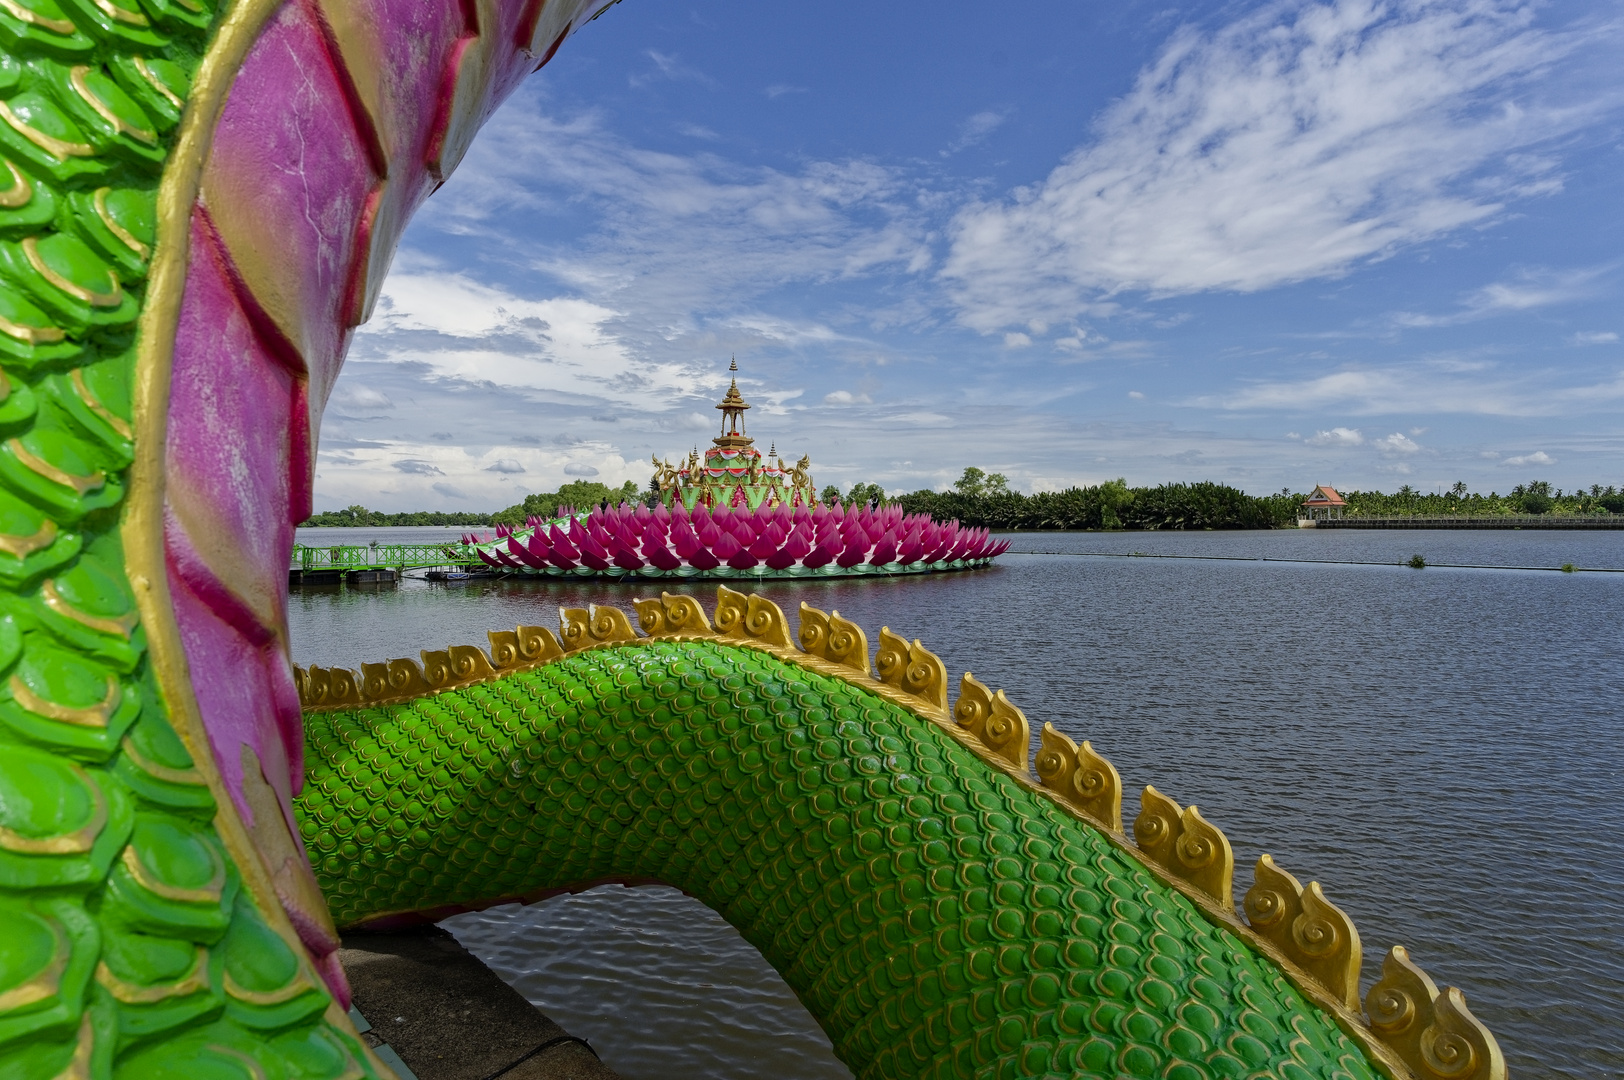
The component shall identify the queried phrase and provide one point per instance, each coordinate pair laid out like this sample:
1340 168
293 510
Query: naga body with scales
198 203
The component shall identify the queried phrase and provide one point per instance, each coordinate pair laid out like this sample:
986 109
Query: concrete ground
434 1007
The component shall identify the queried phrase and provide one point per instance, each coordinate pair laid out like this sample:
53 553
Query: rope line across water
1320 562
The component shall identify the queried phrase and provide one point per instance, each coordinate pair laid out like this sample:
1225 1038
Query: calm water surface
1439 748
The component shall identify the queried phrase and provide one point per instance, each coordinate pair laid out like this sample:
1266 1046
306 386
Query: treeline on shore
979 499
581 494
1537 497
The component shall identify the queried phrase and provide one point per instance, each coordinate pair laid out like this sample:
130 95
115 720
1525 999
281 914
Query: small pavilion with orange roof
1324 504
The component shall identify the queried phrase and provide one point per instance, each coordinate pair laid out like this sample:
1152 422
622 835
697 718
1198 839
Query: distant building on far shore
1323 505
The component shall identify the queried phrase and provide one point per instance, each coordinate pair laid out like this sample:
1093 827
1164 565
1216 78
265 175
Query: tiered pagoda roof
733 472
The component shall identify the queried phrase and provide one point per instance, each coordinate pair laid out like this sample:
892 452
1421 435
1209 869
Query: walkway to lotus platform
357 564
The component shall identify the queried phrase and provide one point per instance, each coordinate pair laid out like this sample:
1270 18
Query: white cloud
667 66
1525 290
1015 340
450 491
1538 457
468 330
1291 144
1594 337
1396 443
778 90
505 465
1136 395
1339 436
845 397
575 468
1431 387
357 401
671 249
977 128
418 468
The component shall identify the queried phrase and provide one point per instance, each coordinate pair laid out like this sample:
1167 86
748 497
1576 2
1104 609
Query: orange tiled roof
1325 496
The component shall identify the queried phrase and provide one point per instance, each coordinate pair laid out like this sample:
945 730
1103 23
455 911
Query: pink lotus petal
684 541
856 550
660 555
763 548
562 546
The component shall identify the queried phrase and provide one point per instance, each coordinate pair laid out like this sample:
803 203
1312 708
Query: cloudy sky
1270 244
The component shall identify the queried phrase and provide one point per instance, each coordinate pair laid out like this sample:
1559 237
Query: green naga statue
198 203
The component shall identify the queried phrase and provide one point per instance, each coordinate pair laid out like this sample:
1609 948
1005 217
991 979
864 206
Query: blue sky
1273 245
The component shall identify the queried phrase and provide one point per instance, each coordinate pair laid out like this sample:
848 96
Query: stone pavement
433 1007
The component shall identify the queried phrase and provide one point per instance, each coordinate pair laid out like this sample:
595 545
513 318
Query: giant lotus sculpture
734 514
197 204
764 542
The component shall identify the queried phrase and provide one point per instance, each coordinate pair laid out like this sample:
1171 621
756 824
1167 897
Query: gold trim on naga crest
136 994
34 18
158 84
76 76
47 982
31 335
189 777
90 716
121 626
203 894
21 190
61 149
112 298
125 237
40 467
95 405
21 547
78 842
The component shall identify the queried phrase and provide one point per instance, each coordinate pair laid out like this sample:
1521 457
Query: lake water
1440 748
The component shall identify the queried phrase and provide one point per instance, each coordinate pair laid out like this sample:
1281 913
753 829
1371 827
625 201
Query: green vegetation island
980 499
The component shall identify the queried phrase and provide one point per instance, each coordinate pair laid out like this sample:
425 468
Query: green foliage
1535 497
581 494
1416 563
862 495
1111 505
977 483
984 500
361 516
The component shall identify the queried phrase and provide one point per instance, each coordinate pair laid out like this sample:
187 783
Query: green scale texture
936 916
74 923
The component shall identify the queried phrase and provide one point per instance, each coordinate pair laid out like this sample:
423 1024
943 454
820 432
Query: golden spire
733 436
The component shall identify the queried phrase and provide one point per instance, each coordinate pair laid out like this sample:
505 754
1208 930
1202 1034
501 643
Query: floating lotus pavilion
735 514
